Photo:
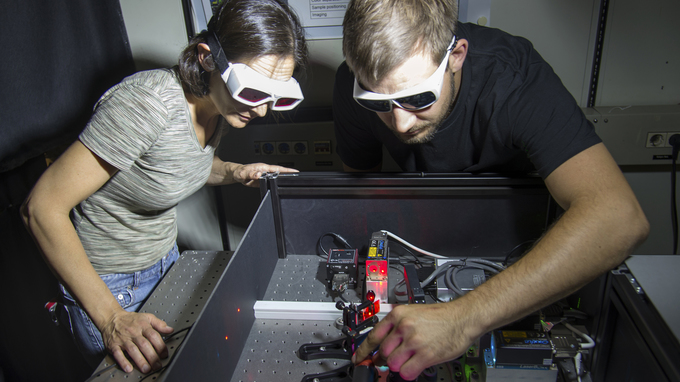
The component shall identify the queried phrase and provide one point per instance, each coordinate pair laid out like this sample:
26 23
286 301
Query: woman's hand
140 336
248 174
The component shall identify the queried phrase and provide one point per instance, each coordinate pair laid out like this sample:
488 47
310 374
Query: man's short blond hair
379 35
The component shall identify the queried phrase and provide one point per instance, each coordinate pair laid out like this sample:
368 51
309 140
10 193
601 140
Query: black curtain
56 59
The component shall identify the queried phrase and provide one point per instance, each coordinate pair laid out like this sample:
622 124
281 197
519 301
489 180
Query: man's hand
602 225
415 337
248 174
138 335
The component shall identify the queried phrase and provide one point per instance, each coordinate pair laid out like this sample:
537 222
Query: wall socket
656 140
280 148
268 148
668 137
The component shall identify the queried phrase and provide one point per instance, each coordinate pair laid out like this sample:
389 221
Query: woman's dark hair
246 29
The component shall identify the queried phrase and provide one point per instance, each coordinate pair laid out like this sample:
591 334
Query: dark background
57 58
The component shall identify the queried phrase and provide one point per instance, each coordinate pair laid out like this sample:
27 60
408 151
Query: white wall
562 31
155 30
641 61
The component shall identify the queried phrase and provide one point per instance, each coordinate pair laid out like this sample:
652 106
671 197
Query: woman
103 214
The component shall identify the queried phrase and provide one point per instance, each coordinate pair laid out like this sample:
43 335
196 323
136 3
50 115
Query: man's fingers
397 357
366 347
378 359
373 339
362 352
390 343
411 368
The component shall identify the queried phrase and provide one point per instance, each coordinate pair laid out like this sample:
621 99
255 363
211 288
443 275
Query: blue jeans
130 290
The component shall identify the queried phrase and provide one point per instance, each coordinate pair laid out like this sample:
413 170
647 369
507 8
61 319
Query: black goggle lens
418 101
375 105
414 102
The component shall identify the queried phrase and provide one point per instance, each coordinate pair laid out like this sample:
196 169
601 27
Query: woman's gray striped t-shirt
143 127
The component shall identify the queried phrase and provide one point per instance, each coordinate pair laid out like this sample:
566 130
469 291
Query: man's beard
430 129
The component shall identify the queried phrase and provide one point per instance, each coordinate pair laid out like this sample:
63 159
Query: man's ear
203 53
458 54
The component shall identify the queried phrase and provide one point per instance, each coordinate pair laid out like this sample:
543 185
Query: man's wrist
475 313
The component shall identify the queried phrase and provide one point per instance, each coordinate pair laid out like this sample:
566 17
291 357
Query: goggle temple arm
219 57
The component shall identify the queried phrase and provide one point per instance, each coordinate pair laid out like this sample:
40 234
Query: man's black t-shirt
512 115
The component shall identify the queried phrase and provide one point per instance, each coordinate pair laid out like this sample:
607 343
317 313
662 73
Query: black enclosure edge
380 186
211 350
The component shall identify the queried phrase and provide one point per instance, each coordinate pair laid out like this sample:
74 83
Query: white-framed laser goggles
417 97
253 89
250 87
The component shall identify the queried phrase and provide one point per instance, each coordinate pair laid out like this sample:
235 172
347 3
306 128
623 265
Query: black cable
342 297
433 296
417 263
512 251
675 142
176 332
162 369
409 252
320 247
451 271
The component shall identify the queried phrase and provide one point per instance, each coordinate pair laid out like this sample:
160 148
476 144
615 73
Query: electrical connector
377 266
341 268
340 283
416 295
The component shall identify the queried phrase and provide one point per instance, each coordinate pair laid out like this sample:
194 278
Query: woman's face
236 113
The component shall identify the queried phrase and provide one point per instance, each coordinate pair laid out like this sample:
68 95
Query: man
448 97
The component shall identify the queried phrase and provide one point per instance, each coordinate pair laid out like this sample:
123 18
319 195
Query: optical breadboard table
297 296
249 312
178 300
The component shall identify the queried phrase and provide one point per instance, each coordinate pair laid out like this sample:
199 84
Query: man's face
417 126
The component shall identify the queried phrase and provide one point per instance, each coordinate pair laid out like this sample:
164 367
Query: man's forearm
588 240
